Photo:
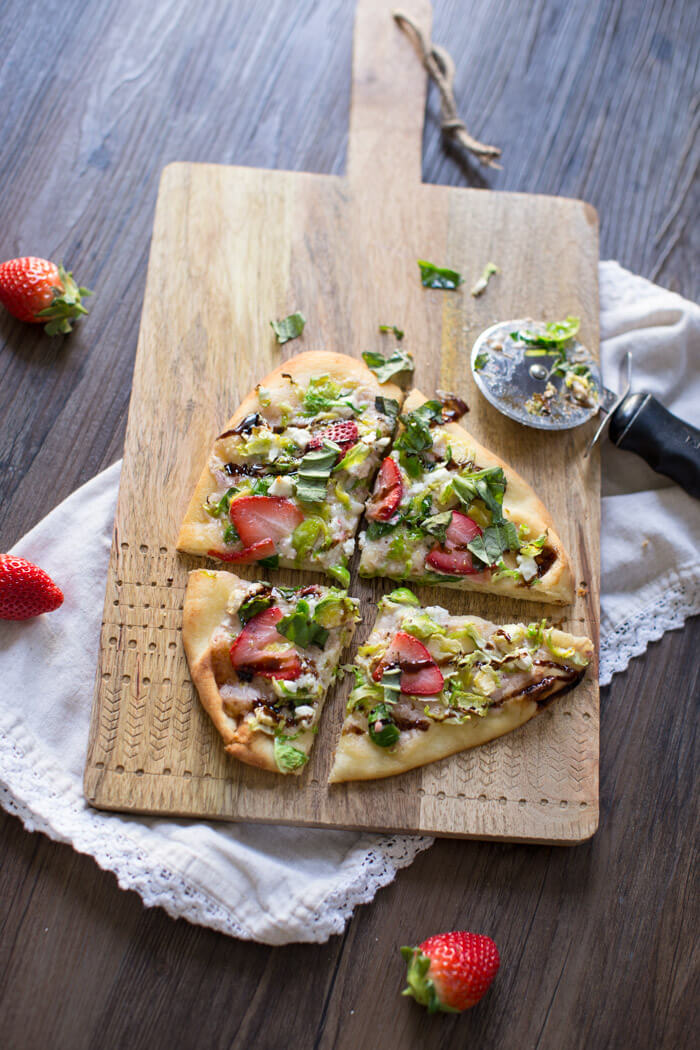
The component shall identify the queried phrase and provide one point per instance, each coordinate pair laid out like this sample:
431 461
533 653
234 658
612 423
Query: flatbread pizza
446 510
262 659
289 474
428 684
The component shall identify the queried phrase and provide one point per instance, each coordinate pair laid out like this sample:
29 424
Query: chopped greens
387 406
415 439
289 327
288 757
301 627
480 286
495 539
391 684
323 394
383 730
398 332
488 485
433 276
231 533
437 525
314 472
270 563
399 363
339 573
403 596
254 605
221 506
306 535
481 360
555 335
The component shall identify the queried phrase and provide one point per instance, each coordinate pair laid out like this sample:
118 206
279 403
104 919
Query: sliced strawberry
453 557
420 675
251 655
256 551
258 518
344 433
387 492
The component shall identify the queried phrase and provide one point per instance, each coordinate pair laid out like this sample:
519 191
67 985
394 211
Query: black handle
670 446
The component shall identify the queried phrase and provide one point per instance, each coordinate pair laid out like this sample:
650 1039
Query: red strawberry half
453 557
260 518
37 290
451 971
251 653
420 675
387 492
344 433
256 551
25 589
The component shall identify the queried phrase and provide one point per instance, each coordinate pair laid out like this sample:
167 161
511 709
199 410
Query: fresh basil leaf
555 334
495 539
481 360
383 730
289 327
412 464
270 563
252 606
387 406
231 533
480 287
301 628
314 472
287 757
399 363
416 436
391 684
377 529
221 506
437 525
392 328
433 276
488 485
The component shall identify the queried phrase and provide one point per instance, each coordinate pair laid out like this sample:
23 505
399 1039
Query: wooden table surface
587 99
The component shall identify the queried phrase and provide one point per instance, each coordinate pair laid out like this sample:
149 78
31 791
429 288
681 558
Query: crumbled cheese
304 711
527 566
281 486
298 436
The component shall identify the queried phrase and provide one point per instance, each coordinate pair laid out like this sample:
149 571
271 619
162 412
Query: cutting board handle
389 87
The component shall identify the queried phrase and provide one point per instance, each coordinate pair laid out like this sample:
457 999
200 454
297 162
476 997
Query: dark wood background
587 99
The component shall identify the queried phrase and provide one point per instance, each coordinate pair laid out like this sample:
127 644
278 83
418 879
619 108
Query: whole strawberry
25 589
37 290
451 971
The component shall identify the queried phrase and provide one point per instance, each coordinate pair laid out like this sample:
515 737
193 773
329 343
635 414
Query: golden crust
198 533
209 596
521 503
357 758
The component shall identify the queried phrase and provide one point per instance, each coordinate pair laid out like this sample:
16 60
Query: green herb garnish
481 360
387 406
398 332
252 606
301 627
488 485
289 327
383 730
555 335
270 563
437 525
288 757
314 472
231 533
495 539
399 363
433 276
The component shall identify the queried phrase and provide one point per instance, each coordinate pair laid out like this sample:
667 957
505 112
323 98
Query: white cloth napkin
290 884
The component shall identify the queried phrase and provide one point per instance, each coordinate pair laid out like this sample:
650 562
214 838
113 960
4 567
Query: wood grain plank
229 239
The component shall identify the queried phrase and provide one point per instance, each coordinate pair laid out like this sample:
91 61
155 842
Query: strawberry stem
65 306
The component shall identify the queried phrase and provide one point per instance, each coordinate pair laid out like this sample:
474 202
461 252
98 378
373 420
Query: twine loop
441 70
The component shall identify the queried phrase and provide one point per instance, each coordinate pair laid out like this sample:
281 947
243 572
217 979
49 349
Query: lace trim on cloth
631 637
136 867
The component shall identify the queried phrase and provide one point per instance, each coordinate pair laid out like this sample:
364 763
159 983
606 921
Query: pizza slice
429 684
262 659
447 511
288 477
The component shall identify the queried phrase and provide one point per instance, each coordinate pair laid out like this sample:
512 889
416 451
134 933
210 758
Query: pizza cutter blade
553 388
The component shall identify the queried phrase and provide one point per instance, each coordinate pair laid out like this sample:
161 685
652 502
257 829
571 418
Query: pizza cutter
559 387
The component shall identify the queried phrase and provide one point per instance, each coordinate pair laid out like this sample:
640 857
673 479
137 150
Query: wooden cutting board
235 247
